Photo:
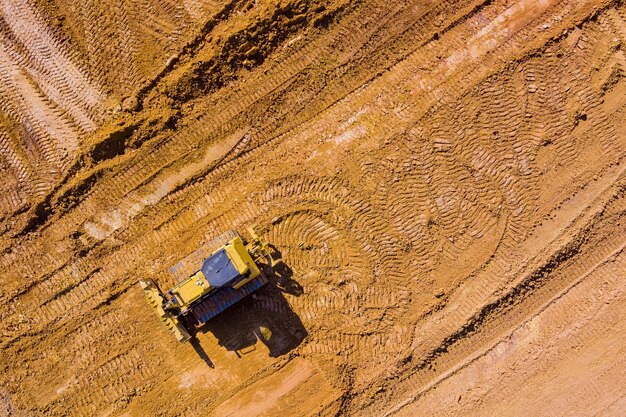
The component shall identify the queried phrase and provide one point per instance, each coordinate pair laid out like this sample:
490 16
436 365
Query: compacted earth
443 180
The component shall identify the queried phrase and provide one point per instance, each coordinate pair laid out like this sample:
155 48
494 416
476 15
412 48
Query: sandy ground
443 180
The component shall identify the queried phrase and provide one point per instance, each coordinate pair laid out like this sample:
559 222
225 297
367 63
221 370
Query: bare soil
443 180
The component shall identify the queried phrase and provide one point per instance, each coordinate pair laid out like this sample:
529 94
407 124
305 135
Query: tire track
590 290
374 195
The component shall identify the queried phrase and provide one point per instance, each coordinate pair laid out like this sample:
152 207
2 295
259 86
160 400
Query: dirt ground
444 180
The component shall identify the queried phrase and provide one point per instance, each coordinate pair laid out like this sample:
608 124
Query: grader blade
156 299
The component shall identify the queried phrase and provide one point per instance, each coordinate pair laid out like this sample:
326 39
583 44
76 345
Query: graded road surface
444 181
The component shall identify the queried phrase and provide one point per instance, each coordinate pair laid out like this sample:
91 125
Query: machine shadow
282 275
201 352
264 315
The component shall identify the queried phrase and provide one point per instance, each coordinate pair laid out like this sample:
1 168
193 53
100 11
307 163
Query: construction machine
232 270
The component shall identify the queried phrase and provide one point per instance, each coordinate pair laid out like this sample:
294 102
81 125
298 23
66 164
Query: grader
232 271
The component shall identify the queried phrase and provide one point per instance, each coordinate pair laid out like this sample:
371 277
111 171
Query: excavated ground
444 181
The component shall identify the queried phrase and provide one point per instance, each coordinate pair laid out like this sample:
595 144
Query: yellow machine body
197 285
232 267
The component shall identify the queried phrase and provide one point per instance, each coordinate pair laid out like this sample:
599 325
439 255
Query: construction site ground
444 181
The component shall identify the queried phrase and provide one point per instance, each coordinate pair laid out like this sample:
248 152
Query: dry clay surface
444 181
